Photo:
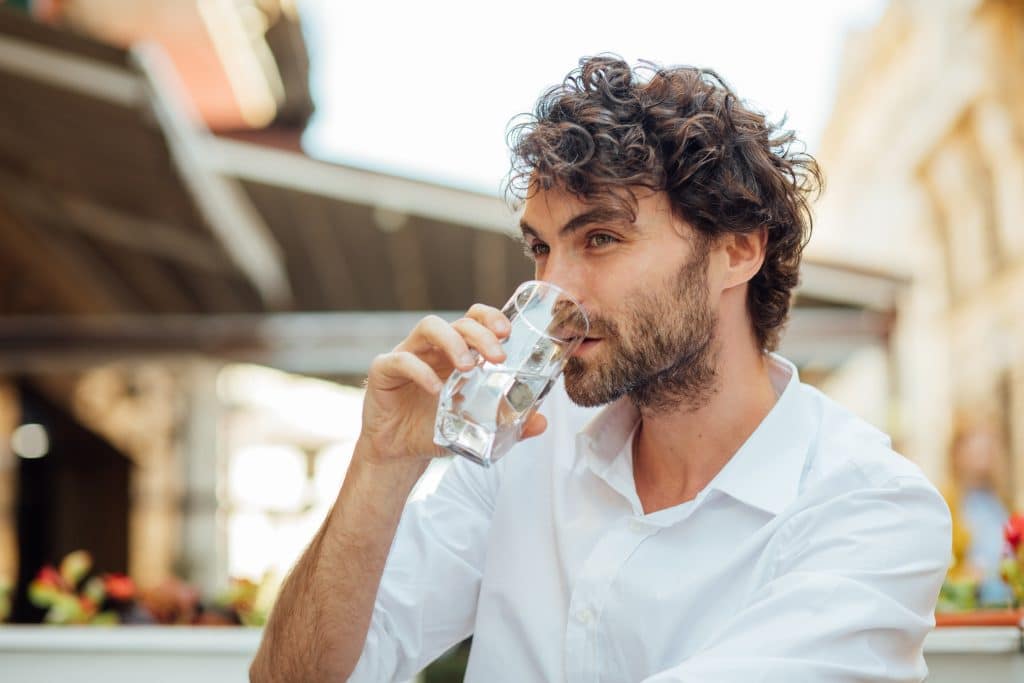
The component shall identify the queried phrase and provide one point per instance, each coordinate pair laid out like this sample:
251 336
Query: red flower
1014 530
49 577
119 587
87 605
172 602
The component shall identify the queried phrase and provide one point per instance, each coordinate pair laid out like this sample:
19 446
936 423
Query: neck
676 453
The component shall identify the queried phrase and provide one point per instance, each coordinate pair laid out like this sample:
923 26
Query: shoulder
852 471
856 486
848 450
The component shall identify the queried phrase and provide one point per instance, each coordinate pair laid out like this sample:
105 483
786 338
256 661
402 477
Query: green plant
958 595
71 595
244 598
68 597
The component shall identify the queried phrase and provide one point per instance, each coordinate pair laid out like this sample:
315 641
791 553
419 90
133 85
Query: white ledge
235 640
245 640
974 640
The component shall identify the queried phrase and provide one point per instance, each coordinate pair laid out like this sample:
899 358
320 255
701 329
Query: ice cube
541 356
521 394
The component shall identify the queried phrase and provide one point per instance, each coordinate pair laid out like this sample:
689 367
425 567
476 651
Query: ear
745 252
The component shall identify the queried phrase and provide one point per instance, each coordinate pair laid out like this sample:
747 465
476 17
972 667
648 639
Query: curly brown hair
606 131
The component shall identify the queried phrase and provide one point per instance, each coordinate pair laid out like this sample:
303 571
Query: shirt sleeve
851 599
427 598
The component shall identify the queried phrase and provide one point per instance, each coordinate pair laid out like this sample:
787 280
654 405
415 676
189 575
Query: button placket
589 596
585 616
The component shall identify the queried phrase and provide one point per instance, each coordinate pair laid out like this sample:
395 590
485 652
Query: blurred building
924 156
140 253
243 63
147 263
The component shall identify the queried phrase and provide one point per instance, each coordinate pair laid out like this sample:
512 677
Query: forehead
554 203
549 210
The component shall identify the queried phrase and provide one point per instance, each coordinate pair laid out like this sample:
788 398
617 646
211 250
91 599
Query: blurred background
214 213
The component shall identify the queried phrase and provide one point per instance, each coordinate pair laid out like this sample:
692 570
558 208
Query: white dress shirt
815 554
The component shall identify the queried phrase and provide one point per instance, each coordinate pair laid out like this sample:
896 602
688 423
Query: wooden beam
66 71
219 294
147 79
154 283
16 23
299 342
411 285
221 200
77 281
156 238
326 343
489 271
359 186
317 237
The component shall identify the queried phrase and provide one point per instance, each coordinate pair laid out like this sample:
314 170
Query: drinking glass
481 412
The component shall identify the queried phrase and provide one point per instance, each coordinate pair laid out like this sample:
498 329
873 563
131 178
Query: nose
570 279
561 271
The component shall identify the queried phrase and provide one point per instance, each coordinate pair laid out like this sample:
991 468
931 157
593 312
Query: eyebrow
582 220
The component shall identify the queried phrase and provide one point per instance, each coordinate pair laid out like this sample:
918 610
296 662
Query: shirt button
585 616
637 526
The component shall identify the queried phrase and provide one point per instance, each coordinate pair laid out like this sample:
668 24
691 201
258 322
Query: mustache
571 322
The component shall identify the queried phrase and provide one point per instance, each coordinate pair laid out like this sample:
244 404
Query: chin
584 394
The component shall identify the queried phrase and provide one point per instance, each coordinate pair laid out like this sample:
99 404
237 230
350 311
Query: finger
535 426
392 370
434 332
490 317
480 338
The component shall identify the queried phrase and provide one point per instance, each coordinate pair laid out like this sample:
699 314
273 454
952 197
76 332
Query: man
716 520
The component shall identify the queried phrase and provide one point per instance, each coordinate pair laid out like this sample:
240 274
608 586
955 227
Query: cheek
610 295
601 296
615 289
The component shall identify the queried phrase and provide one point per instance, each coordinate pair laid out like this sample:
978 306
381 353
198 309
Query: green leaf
42 594
75 566
94 590
66 609
107 618
957 595
253 617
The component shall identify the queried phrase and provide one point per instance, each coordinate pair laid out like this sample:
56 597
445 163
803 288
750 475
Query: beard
663 355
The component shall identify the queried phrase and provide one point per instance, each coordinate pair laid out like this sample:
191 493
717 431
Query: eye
536 249
600 239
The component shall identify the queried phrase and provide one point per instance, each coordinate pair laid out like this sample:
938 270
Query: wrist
398 472
371 499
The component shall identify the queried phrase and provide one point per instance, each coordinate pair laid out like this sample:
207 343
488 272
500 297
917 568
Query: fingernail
467 359
501 325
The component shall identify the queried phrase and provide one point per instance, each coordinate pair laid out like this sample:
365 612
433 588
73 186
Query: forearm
319 622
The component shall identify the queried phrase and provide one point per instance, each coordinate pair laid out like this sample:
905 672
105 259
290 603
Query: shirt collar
765 472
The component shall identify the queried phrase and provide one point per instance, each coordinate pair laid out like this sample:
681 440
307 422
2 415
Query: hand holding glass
482 411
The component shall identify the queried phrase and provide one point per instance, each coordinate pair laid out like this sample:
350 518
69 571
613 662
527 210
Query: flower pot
980 617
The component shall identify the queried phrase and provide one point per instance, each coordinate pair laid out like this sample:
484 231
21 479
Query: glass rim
562 293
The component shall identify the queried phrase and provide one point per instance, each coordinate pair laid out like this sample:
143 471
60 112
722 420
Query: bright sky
426 89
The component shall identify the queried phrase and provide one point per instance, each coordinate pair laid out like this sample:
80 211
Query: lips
585 346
